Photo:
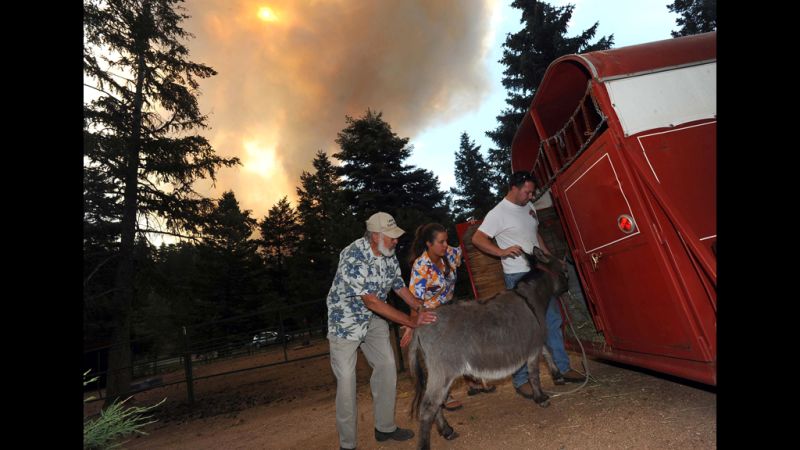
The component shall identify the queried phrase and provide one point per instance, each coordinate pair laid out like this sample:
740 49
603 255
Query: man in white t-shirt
514 225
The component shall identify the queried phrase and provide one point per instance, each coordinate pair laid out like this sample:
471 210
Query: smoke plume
290 70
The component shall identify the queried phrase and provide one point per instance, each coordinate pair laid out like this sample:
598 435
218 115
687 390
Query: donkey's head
555 268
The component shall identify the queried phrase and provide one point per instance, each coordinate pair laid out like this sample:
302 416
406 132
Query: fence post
187 364
282 336
306 333
99 393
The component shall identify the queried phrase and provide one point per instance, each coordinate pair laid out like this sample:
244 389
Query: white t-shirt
511 224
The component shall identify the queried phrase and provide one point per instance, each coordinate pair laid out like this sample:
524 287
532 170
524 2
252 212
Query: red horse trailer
624 142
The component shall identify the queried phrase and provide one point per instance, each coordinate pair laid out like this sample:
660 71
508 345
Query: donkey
490 340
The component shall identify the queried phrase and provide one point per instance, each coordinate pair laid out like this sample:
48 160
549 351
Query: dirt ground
291 406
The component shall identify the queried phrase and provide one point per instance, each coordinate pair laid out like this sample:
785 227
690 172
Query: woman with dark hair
433 280
433 265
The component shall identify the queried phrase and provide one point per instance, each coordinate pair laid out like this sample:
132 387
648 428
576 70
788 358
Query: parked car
265 338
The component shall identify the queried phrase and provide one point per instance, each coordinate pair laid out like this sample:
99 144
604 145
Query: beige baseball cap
381 222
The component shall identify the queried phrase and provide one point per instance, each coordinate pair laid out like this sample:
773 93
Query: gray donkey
490 340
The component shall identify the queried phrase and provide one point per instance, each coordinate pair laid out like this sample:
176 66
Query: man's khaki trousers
378 351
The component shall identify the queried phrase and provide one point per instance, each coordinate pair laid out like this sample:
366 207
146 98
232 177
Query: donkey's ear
541 256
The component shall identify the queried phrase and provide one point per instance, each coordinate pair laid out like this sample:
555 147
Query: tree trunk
120 359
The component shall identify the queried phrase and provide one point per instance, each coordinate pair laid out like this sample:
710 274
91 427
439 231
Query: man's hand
387 311
514 250
425 318
408 333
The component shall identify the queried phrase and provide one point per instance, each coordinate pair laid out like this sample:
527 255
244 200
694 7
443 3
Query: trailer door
618 254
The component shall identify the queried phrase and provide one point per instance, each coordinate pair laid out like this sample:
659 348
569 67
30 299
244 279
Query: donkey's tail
415 364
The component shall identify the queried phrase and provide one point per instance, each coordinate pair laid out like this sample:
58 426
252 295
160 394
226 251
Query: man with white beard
357 310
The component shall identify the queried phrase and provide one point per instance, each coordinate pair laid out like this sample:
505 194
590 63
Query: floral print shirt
360 272
428 281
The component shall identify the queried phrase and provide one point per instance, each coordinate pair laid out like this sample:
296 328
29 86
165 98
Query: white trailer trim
665 98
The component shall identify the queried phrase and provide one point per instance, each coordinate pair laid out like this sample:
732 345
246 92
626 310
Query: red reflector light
625 223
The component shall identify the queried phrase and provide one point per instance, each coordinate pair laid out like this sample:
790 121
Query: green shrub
114 422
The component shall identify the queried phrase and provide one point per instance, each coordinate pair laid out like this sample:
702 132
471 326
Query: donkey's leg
441 423
539 396
445 429
551 365
426 414
435 393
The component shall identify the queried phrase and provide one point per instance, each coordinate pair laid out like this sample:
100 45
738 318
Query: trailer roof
565 80
650 56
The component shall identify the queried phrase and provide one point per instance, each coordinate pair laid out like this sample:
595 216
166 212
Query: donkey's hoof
449 434
544 401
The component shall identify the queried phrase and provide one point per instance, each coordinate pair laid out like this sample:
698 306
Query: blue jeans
555 340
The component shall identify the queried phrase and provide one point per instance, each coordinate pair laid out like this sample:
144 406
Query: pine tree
697 16
375 177
372 167
326 227
473 194
526 55
137 138
229 258
279 236
231 272
322 208
176 294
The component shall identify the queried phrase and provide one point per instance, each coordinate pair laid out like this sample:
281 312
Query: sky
289 71
630 21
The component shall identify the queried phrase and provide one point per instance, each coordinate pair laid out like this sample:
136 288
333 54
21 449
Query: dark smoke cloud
285 86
